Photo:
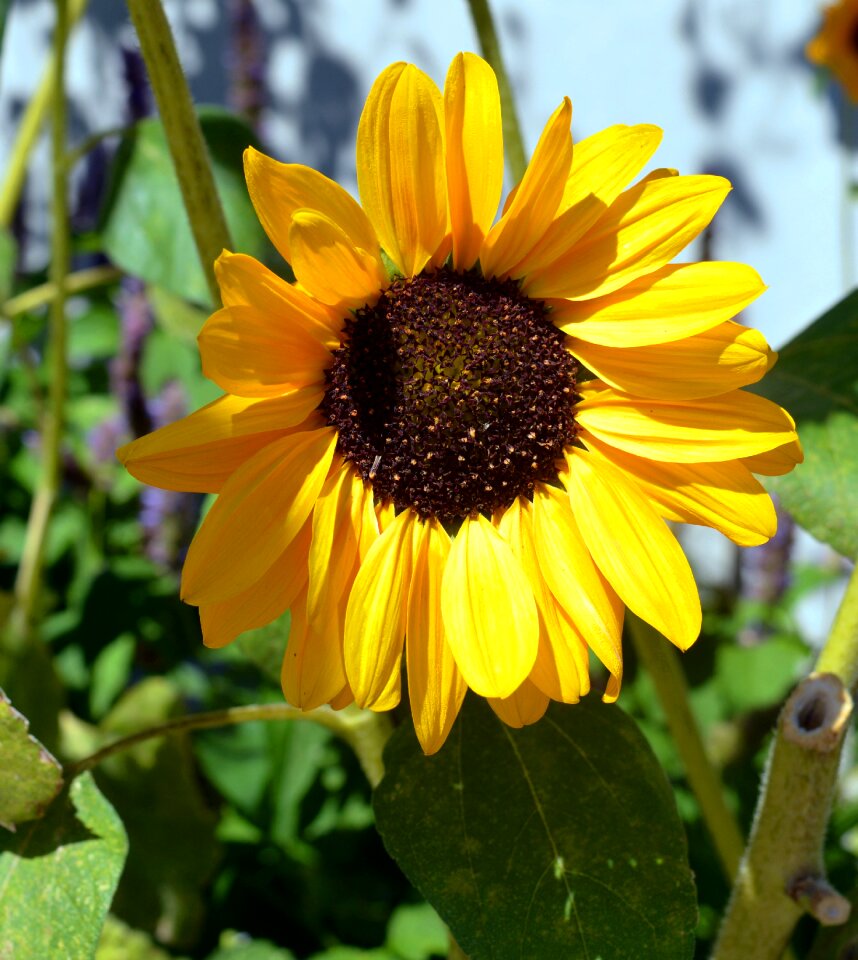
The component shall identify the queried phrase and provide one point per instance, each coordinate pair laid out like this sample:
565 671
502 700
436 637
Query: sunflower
458 439
835 47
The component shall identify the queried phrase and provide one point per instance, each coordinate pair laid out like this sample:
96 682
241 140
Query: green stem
30 126
782 874
78 282
513 140
364 731
29 577
665 671
184 136
840 653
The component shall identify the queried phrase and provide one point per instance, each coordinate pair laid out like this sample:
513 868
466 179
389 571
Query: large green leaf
145 229
558 841
816 380
58 876
31 777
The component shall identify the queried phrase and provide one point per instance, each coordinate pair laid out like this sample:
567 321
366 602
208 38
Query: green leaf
558 841
238 946
416 932
119 942
145 229
154 787
816 380
752 678
31 776
57 877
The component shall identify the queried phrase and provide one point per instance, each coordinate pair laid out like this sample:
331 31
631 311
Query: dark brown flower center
452 395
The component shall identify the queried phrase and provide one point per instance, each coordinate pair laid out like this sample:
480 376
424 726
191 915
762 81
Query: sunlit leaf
145 229
559 841
816 379
30 777
58 876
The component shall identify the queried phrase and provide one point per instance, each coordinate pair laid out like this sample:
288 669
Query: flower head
835 47
459 439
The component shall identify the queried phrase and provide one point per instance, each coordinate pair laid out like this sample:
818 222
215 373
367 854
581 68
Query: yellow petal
435 686
723 496
312 672
602 165
375 617
263 602
522 707
244 281
489 610
343 699
330 266
776 462
472 113
671 303
199 453
561 668
536 197
573 577
716 361
633 547
400 166
385 512
643 229
259 512
727 427
337 519
277 190
248 355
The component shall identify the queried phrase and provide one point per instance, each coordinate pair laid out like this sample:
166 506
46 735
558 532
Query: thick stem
489 44
184 136
665 671
365 732
29 577
31 125
783 859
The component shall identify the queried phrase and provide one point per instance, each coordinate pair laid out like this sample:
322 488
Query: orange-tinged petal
776 462
277 190
472 113
260 510
716 361
375 617
267 599
574 579
522 707
330 266
337 519
244 281
561 667
400 166
248 355
312 672
436 688
343 699
676 301
643 229
724 496
536 198
489 610
733 425
633 547
602 165
199 453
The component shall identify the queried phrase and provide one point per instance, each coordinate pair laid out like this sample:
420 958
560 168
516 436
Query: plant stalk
663 666
364 731
782 874
44 293
29 576
490 46
184 136
31 124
